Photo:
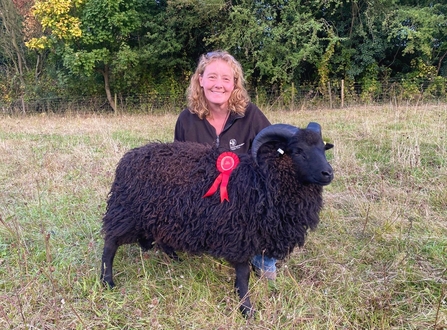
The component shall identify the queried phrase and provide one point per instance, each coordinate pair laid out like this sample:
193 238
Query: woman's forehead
219 66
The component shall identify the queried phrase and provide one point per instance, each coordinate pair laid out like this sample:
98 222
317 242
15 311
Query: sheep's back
148 181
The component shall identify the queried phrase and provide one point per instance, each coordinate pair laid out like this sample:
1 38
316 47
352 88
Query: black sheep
275 196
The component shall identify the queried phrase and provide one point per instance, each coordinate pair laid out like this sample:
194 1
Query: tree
419 32
135 46
12 47
179 33
380 38
96 36
275 40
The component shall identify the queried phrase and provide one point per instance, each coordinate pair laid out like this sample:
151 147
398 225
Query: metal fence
334 95
99 104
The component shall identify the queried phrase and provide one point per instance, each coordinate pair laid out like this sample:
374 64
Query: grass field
377 261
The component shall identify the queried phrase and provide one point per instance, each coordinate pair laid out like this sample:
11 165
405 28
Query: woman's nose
218 84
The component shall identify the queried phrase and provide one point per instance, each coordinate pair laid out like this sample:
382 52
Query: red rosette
225 164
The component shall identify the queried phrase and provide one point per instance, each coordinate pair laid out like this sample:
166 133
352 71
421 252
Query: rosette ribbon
225 164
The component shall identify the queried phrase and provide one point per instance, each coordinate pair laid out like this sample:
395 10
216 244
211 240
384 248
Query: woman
220 113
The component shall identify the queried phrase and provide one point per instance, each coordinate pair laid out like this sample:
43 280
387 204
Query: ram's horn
272 133
314 127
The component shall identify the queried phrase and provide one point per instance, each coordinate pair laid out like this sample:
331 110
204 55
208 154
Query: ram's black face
307 151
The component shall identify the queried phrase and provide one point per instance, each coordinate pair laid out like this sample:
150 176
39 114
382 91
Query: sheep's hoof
173 256
247 312
108 284
176 258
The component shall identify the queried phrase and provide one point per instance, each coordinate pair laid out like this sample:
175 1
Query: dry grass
377 261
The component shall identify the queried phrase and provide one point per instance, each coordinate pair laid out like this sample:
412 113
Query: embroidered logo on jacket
234 145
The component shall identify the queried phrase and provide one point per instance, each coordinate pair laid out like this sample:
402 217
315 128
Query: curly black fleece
157 198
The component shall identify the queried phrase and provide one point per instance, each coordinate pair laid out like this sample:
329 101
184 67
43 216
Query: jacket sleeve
179 132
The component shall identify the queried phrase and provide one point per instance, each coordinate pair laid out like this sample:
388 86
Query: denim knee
264 263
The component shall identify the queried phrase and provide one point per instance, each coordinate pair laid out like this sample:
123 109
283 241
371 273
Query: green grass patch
376 261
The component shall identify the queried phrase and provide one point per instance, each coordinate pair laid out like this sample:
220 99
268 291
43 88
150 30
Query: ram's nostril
327 173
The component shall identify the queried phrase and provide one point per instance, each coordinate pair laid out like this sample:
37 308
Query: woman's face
218 83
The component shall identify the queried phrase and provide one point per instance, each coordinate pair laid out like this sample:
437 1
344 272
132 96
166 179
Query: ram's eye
300 152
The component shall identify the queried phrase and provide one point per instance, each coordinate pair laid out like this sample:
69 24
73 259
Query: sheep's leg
241 285
146 244
169 251
110 247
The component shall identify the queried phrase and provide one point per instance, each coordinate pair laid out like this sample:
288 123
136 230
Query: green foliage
437 88
371 86
324 68
418 29
362 41
58 19
107 30
135 47
273 39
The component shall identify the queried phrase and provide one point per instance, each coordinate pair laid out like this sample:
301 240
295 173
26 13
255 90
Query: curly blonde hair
239 98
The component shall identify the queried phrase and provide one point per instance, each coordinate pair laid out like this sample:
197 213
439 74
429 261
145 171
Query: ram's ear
328 146
272 133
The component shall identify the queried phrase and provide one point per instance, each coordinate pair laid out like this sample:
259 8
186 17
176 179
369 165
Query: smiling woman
219 109
217 82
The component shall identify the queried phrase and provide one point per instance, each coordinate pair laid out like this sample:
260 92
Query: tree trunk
105 74
9 43
440 63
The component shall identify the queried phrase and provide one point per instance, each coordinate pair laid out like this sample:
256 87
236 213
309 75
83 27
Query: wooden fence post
330 94
293 97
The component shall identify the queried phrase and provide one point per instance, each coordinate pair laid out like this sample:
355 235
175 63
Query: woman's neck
217 119
218 111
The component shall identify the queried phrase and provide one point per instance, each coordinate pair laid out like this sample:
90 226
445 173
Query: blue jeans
264 263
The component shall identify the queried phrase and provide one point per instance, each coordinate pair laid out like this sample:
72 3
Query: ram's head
305 147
